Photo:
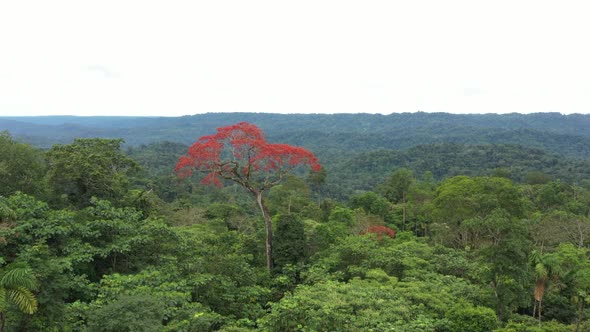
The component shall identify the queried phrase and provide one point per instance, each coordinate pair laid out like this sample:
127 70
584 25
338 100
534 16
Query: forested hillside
350 172
563 134
414 222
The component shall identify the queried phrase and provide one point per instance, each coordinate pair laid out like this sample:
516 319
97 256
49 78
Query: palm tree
546 269
16 283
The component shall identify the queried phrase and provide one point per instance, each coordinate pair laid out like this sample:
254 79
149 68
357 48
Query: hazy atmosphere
187 57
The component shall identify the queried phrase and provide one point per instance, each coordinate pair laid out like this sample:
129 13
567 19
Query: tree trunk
539 292
404 211
540 308
268 227
1 321
580 313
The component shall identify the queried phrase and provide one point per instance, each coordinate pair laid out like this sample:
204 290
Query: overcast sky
187 57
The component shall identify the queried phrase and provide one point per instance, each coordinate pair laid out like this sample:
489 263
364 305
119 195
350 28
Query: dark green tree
464 198
372 203
21 167
128 313
465 317
396 189
88 167
290 241
291 196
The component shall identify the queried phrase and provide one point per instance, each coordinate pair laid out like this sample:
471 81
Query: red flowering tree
380 231
240 153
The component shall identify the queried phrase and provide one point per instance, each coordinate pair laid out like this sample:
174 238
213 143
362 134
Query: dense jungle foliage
438 235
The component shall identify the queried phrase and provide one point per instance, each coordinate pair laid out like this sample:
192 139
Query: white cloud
186 57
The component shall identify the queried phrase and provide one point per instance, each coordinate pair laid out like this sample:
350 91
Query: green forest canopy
488 237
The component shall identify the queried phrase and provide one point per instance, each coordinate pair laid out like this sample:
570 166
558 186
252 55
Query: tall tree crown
240 153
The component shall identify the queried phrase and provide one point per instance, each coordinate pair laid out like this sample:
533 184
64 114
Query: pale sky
175 58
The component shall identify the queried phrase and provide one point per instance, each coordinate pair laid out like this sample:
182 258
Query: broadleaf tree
240 153
88 167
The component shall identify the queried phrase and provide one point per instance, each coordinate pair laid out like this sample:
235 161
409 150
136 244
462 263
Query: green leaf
24 299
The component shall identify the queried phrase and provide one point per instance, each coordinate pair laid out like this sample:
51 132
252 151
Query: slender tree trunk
540 308
1 321
268 227
114 261
538 295
404 211
580 312
499 307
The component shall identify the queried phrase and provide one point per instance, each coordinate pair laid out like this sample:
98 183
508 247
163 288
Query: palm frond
3 302
535 256
541 271
18 276
24 299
